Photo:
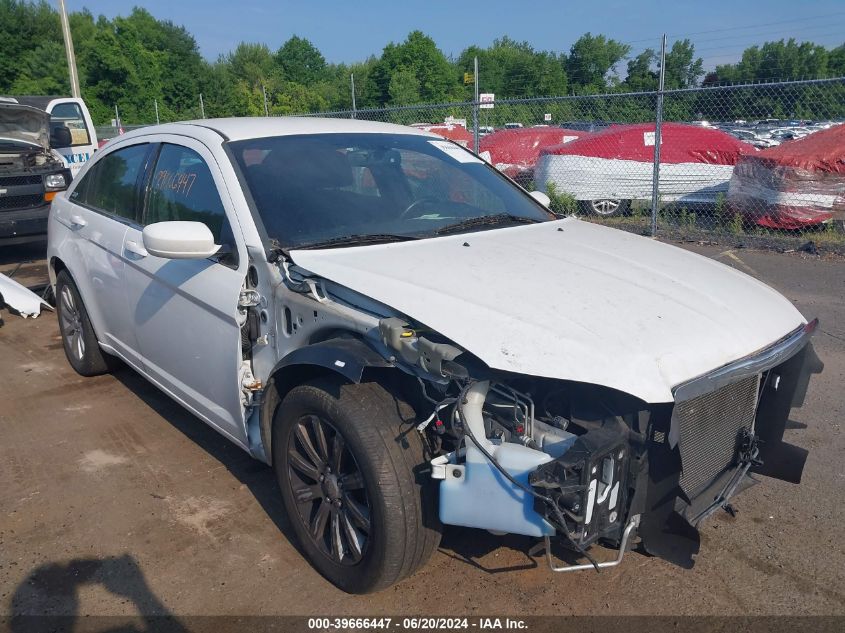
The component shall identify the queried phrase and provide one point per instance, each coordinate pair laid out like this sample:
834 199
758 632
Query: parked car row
772 132
606 167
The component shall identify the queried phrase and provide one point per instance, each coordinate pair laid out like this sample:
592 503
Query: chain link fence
758 164
108 132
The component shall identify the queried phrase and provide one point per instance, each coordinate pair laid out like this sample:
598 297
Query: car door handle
77 221
135 248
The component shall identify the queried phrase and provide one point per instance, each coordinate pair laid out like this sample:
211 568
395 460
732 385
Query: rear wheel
355 483
605 207
80 342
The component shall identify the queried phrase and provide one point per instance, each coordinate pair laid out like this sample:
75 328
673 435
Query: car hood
571 300
25 124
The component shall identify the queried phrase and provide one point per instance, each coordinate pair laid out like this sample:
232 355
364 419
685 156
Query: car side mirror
179 240
60 136
542 198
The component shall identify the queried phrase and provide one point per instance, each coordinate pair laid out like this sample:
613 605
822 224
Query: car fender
347 356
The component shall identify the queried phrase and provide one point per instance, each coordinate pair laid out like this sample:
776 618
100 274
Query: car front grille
710 426
17 181
13 203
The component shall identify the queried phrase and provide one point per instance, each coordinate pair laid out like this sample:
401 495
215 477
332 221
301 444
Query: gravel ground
114 500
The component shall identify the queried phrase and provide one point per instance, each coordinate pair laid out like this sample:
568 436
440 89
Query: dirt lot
113 500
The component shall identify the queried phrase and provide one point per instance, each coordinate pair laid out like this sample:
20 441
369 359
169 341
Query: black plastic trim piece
348 357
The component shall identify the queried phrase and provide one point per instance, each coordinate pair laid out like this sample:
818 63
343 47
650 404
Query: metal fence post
352 81
658 125
475 109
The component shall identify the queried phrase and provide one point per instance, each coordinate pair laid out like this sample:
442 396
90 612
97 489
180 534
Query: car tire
80 343
373 520
604 207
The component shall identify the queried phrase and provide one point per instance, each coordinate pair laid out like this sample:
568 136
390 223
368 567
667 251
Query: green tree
132 60
683 68
591 58
24 26
419 55
301 61
122 72
836 61
254 71
781 60
514 69
404 87
219 95
642 75
42 71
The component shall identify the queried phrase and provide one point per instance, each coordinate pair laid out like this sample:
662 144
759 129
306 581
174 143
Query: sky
348 31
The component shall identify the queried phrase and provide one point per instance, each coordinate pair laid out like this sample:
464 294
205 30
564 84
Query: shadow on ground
49 598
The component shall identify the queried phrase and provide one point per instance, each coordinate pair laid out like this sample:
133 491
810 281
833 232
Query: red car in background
515 151
793 185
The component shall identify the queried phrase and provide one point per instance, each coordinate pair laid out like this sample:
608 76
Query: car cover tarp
798 183
515 152
451 131
696 163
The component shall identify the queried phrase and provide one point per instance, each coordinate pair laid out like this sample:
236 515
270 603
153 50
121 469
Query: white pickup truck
44 142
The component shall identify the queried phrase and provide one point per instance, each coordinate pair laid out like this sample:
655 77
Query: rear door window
110 186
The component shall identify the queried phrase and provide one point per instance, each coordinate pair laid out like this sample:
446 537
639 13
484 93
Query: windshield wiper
356 240
485 220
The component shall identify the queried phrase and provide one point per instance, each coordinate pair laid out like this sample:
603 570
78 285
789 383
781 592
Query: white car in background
412 340
607 170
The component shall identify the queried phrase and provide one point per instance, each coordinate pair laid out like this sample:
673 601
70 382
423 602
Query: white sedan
412 340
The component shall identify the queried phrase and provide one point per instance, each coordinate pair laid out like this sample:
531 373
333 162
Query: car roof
240 128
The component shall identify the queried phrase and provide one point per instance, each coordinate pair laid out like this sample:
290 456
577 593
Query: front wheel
355 484
605 207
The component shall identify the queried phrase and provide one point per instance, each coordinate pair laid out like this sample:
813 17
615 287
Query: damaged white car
412 340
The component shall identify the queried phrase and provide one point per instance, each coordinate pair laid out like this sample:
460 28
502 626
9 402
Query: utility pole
71 56
658 129
155 103
264 92
352 79
202 107
475 108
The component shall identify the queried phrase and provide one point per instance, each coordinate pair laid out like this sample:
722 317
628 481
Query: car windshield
335 189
